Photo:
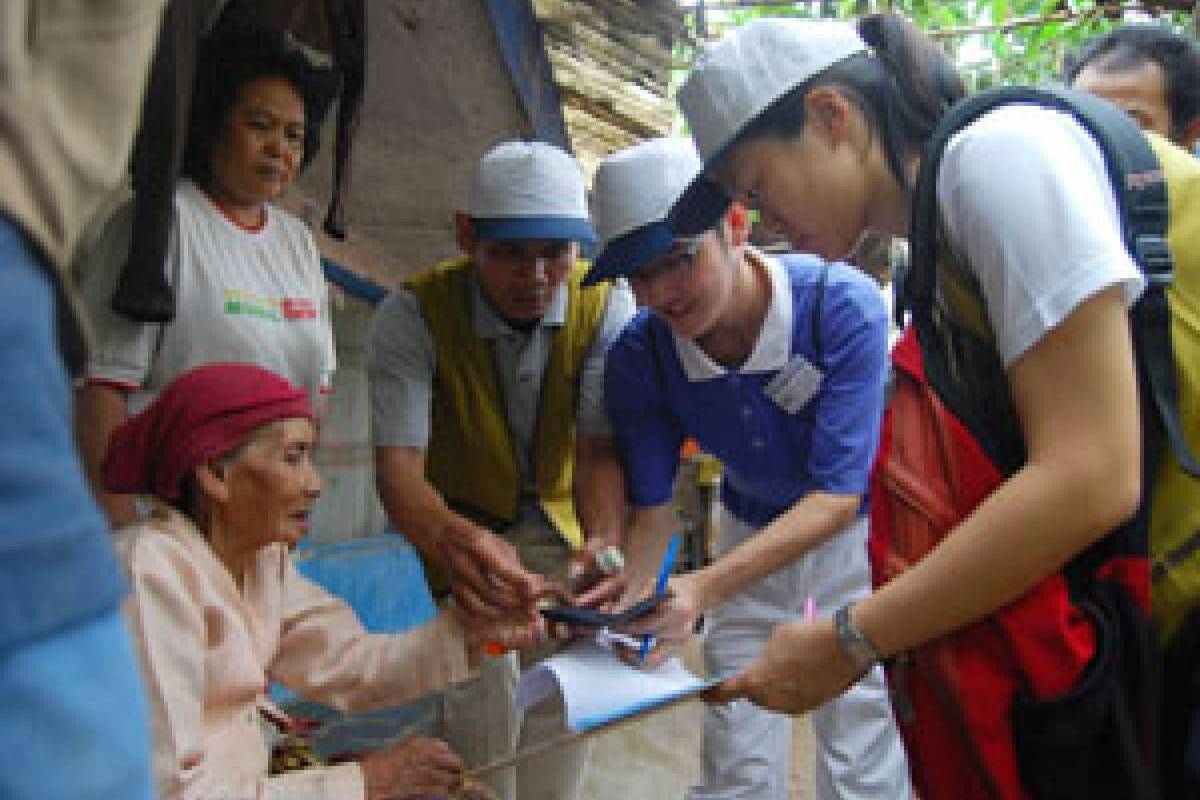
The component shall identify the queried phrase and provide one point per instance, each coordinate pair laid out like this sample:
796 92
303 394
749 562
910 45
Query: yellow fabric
1175 510
470 455
1175 514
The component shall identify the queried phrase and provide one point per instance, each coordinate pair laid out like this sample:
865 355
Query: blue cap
629 253
698 208
543 227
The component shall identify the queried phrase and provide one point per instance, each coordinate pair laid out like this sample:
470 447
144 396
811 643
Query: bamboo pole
569 736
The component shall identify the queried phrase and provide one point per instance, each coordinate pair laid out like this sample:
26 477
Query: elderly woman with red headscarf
219 611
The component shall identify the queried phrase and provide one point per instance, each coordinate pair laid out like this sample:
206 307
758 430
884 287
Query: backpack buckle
1154 255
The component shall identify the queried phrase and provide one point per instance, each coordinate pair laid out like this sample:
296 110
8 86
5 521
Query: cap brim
699 208
573 229
627 254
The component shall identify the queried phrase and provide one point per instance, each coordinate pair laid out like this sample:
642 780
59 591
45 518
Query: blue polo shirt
785 423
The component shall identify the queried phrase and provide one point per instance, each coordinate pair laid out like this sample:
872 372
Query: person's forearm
600 491
814 520
412 503
1020 534
649 531
99 410
484 571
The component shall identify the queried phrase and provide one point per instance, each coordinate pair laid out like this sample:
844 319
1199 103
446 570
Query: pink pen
810 609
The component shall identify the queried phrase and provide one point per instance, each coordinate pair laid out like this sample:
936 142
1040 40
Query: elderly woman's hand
415 766
512 633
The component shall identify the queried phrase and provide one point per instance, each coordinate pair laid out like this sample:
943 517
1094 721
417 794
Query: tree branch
999 27
1044 19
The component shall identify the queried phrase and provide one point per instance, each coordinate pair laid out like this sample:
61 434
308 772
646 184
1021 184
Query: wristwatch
854 642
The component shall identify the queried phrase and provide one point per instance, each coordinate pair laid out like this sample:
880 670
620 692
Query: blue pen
660 588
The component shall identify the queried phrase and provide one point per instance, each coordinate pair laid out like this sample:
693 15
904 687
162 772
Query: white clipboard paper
598 688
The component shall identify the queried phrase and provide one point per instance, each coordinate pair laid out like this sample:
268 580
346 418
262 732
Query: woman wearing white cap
776 366
821 126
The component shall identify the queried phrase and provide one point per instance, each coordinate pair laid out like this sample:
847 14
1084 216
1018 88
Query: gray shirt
402 364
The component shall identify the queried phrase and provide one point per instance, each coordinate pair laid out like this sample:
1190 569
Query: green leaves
994 41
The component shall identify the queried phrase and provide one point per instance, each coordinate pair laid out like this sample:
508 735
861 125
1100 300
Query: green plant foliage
1020 53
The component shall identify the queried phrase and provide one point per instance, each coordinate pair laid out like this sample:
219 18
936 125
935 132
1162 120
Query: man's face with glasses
520 277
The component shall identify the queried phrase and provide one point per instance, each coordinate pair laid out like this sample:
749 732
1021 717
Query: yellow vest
470 456
1175 513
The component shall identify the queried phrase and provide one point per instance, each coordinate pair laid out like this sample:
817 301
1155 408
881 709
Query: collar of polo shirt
773 347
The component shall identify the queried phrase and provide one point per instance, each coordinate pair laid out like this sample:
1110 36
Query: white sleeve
1026 200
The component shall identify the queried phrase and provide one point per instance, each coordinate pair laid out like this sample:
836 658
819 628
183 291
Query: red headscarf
201 415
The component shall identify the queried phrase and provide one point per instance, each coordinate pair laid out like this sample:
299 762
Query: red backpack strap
933 473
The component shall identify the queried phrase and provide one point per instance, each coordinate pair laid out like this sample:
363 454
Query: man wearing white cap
492 445
776 367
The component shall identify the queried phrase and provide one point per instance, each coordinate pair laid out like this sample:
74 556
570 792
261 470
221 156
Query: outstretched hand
801 667
517 632
485 573
672 623
593 584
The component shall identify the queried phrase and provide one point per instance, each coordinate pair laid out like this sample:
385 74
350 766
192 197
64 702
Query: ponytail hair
903 87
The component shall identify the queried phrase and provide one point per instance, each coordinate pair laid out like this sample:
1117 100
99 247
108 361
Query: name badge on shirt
794 385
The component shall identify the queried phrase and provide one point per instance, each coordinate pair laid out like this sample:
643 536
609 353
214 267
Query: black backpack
967 374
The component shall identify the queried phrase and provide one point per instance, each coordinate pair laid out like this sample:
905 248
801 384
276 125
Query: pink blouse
209 649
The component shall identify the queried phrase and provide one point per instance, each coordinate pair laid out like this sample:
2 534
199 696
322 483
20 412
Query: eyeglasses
677 260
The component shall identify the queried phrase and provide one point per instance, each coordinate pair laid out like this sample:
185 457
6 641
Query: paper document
597 687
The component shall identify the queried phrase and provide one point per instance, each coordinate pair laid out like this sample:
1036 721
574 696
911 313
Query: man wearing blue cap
776 367
492 445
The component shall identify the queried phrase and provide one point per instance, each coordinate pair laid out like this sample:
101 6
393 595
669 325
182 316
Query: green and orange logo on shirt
276 309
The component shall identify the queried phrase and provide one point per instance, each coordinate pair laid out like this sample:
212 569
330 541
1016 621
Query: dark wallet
580 617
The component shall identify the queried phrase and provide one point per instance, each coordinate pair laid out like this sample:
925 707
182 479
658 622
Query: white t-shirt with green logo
245 296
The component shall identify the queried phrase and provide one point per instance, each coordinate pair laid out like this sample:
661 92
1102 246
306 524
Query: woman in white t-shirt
246 275
821 125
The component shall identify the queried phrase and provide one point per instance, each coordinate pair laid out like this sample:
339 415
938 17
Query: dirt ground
658 758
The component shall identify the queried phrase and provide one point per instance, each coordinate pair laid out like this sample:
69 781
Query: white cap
529 190
633 192
737 78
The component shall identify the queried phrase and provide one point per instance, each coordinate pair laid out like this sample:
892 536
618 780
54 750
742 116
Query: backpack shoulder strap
1141 194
